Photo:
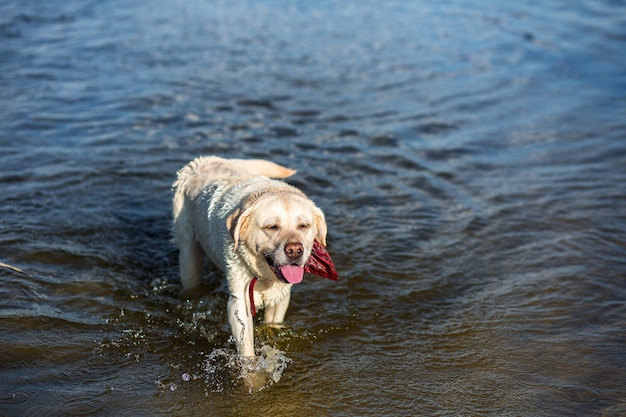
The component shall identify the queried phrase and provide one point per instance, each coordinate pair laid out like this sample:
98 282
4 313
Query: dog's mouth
319 263
289 274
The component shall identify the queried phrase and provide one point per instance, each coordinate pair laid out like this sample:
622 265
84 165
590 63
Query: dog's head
278 226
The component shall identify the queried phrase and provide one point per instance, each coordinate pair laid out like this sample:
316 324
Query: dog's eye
303 226
271 227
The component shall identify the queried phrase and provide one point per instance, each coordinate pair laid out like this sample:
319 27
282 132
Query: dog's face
279 230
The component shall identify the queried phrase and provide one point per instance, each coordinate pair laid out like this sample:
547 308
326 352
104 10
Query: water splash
256 373
274 362
222 369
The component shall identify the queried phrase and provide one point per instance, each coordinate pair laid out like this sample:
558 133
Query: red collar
319 263
251 294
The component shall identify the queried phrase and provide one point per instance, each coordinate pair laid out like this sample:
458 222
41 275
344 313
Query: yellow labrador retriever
263 233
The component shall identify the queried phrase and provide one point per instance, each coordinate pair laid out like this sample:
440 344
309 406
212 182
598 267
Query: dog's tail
263 167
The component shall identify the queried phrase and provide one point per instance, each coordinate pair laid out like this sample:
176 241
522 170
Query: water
469 155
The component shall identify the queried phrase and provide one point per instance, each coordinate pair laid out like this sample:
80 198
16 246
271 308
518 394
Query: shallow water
470 158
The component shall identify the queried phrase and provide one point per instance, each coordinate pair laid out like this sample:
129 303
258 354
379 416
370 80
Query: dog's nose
294 249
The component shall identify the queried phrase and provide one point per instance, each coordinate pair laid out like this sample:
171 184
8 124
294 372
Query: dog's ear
237 224
320 225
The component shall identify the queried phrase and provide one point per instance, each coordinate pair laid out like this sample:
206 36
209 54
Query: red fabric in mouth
320 264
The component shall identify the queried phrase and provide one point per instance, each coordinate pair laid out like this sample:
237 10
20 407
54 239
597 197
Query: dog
261 232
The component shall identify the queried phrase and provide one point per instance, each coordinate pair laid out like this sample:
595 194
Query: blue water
470 157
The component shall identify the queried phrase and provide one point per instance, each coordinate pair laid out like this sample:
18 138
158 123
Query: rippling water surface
470 157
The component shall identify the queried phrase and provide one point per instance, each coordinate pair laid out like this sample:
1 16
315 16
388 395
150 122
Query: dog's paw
253 372
262 371
256 381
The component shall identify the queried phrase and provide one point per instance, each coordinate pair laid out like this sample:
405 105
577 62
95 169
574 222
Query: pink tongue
292 273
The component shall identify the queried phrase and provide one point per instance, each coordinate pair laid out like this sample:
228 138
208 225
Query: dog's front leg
240 321
276 314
